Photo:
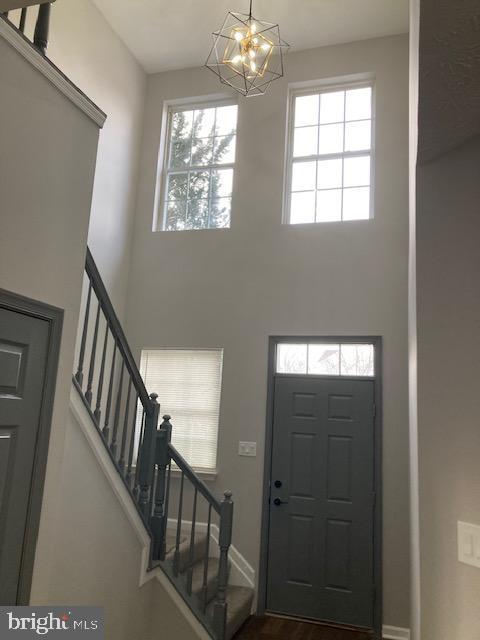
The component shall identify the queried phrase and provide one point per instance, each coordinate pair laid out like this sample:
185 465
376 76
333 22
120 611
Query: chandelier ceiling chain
247 53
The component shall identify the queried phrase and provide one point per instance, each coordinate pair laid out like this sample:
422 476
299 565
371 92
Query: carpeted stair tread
184 547
197 578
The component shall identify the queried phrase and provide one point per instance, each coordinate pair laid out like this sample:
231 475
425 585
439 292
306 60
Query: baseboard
395 633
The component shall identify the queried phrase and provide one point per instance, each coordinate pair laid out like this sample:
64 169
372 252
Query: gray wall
97 556
84 46
47 162
448 304
234 288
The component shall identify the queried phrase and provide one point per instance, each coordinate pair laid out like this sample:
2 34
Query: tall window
188 383
330 156
200 161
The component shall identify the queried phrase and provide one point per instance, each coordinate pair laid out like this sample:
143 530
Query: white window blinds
188 383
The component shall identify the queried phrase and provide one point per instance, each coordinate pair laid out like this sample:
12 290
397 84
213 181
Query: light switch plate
247 449
469 543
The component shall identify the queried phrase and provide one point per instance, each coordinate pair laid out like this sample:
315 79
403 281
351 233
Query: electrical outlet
469 544
247 449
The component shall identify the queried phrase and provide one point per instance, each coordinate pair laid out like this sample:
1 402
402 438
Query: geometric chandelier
247 53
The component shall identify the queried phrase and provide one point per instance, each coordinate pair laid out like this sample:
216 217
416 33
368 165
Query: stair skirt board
395 633
241 573
82 418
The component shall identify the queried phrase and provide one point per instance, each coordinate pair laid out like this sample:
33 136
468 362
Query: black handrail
116 328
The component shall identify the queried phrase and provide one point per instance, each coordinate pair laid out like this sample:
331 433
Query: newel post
147 457
225 540
159 519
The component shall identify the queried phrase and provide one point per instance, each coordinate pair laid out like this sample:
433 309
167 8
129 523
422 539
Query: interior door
24 342
320 556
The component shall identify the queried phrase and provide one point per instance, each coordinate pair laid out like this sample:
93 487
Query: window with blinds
188 383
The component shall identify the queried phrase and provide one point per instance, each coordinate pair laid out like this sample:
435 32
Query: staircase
189 527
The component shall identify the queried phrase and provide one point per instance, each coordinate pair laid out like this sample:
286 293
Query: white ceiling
174 34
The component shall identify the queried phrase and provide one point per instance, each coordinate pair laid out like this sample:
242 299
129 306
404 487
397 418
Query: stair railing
40 35
113 392
169 461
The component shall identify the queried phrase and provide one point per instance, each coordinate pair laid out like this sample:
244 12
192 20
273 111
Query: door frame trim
54 316
378 429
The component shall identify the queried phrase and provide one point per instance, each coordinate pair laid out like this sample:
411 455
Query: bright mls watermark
24 623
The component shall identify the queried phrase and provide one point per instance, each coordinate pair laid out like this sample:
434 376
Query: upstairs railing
127 418
18 18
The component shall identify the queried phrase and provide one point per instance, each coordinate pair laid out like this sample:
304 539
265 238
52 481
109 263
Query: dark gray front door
24 342
320 558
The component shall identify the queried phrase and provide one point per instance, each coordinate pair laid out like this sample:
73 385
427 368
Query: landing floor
270 628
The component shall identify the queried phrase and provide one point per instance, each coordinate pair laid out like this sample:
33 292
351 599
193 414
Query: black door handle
277 502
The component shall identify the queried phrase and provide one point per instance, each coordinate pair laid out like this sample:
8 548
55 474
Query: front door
24 342
320 554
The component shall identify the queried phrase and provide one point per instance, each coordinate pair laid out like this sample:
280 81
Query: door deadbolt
278 484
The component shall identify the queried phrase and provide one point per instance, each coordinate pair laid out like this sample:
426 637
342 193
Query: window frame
318 89
208 473
344 342
176 107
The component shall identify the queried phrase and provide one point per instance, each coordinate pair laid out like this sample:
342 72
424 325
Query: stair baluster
121 461
176 557
23 18
83 342
131 445
91 369
116 419
98 410
205 562
191 558
225 540
40 37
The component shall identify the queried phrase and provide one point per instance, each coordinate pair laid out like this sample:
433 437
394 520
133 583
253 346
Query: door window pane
324 359
357 360
292 358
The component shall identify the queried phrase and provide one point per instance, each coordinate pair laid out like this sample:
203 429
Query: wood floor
270 628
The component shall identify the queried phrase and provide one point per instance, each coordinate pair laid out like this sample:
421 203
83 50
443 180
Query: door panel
24 344
320 559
